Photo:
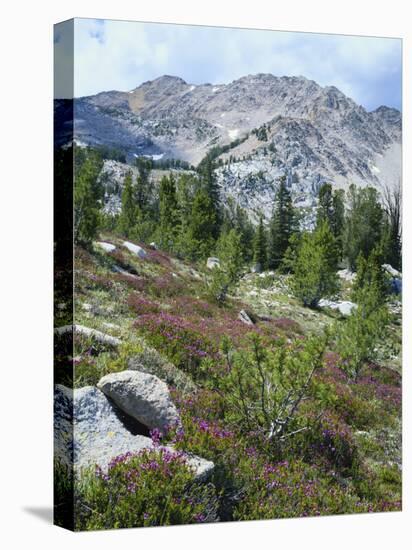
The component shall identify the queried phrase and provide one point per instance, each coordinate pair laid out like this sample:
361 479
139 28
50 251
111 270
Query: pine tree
129 212
325 211
331 208
364 223
314 269
200 238
260 246
88 195
357 337
209 183
370 274
168 212
282 226
393 229
225 277
142 187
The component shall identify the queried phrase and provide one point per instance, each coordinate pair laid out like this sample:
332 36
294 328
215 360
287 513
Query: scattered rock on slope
107 247
135 249
244 317
345 308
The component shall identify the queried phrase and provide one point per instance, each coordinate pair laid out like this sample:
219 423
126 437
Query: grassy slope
128 306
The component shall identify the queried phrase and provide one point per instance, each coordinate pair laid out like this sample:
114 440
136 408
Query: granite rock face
91 430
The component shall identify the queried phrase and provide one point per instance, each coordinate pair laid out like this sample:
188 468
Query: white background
26 272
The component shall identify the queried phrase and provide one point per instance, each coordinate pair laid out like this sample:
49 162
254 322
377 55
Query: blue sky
120 55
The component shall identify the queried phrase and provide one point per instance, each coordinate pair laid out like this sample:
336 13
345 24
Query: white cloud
121 55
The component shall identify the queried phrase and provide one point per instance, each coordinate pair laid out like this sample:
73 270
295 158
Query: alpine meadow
228 335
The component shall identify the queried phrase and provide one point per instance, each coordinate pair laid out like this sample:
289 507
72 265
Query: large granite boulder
142 396
90 430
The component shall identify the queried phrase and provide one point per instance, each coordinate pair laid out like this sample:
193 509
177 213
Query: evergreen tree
357 337
208 181
393 229
364 223
325 210
369 273
185 190
260 246
129 213
88 196
142 187
282 226
200 239
314 269
168 212
331 208
224 277
235 217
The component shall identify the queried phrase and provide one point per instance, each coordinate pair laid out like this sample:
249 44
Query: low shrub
291 489
178 339
150 488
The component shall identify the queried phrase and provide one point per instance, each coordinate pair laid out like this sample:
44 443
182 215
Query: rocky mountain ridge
269 126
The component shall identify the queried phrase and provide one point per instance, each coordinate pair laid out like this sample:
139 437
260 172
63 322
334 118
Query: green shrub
314 266
359 334
265 387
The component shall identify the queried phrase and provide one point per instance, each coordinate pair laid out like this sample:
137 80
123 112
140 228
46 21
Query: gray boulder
142 396
391 270
344 307
135 249
107 247
346 275
256 268
212 262
90 430
244 317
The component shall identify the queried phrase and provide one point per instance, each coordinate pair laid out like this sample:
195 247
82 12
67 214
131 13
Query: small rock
142 396
346 275
119 269
244 317
396 285
135 249
212 263
391 270
256 268
107 247
345 308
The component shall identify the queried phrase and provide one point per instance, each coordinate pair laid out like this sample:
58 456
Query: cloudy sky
120 55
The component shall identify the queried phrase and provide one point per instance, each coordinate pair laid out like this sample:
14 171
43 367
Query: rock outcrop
89 430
